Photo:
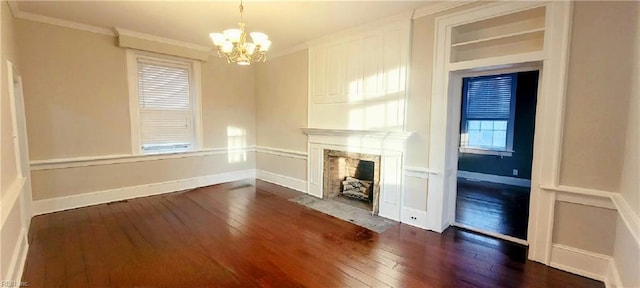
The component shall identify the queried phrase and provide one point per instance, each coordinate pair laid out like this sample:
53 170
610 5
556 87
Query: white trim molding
414 217
599 198
495 178
282 152
353 32
389 145
437 7
18 258
630 219
290 50
418 172
447 75
88 199
285 181
581 262
117 31
62 163
11 198
587 263
613 276
62 23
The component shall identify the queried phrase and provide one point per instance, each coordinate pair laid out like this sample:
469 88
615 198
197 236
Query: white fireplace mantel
384 140
390 145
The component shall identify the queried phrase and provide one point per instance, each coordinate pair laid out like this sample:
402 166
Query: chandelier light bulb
227 47
258 37
233 35
265 46
218 38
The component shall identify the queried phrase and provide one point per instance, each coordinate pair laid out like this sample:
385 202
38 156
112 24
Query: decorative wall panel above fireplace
358 80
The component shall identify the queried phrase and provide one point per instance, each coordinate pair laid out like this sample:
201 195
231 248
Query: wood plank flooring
493 207
239 235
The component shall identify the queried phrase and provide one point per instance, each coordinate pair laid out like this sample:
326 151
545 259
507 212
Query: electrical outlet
515 172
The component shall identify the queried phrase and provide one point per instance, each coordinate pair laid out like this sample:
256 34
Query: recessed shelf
510 44
531 19
511 34
532 32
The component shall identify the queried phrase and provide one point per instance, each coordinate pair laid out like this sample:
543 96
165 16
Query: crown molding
15 10
363 28
63 23
439 7
119 31
288 51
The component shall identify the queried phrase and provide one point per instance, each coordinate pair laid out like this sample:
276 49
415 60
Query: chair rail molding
61 163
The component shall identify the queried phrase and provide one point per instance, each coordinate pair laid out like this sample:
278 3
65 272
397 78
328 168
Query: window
488 113
164 104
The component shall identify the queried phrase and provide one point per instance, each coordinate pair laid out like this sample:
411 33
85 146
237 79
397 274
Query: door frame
456 79
549 116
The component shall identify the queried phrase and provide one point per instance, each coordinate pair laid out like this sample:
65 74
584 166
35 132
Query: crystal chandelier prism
232 44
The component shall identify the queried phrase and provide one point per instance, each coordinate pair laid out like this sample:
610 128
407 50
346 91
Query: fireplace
352 178
383 149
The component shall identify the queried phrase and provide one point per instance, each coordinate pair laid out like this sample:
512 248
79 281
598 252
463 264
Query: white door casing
549 116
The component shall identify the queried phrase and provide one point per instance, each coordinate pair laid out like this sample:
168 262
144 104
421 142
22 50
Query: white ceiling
287 23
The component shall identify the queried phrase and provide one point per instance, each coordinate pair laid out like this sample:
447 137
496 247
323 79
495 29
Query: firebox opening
352 178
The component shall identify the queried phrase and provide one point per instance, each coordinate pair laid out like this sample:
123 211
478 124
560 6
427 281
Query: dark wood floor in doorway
235 235
493 207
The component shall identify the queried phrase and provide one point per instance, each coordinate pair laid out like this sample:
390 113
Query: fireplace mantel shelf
399 135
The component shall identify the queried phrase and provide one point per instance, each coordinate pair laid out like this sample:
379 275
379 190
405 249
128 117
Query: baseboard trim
19 258
414 217
88 199
584 263
495 178
285 181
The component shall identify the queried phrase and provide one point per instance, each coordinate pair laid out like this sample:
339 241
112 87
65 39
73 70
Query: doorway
495 153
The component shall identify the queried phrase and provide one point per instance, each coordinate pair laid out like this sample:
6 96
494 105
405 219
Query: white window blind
488 112
165 106
489 98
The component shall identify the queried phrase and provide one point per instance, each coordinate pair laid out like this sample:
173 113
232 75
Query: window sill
468 150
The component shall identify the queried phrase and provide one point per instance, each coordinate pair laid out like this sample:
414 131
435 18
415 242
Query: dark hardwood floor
493 207
235 235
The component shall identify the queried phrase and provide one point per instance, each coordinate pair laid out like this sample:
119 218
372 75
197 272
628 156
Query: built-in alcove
352 178
514 33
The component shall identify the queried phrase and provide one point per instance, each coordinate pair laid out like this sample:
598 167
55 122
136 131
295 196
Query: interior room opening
495 153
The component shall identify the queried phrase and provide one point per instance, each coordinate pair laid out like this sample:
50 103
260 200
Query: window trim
508 151
134 109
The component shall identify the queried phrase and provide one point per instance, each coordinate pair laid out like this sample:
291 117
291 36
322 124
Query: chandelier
232 44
